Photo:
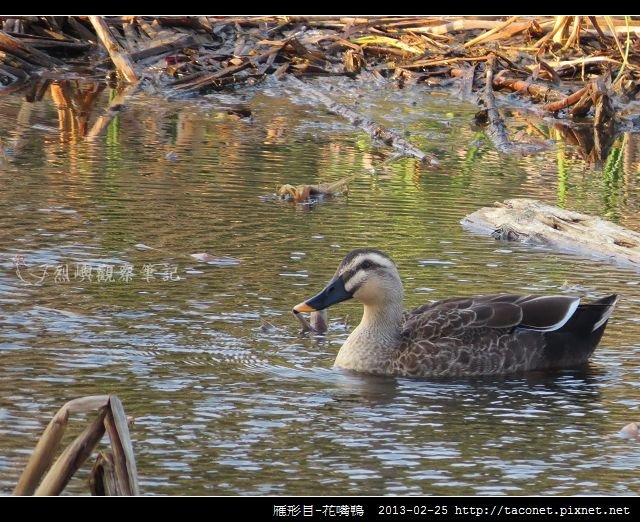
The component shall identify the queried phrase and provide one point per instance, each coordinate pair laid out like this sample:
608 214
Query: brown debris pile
581 66
213 52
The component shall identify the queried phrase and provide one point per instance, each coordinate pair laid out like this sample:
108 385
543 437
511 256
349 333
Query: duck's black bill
333 293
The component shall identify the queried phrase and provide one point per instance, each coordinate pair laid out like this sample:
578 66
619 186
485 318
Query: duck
485 335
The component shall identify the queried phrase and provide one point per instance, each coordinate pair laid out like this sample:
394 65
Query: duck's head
365 274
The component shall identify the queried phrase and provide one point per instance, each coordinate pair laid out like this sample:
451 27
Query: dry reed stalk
490 32
102 481
111 418
559 24
612 28
124 460
560 36
574 37
443 61
45 450
72 458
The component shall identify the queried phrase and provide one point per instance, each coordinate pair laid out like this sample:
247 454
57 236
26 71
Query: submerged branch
376 131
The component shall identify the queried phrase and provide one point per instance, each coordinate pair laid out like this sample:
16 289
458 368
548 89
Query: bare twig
26 51
566 102
497 130
120 59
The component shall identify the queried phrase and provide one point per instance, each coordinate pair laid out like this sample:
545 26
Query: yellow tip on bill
303 307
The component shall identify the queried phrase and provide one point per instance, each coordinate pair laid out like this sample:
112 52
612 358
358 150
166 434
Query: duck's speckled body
487 335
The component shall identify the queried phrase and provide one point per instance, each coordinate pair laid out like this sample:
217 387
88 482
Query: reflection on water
107 196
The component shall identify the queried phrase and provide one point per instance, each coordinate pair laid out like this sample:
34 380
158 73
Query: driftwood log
532 221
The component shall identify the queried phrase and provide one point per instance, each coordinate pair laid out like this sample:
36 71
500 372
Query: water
227 397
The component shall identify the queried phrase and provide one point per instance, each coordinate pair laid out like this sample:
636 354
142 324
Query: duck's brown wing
480 335
532 312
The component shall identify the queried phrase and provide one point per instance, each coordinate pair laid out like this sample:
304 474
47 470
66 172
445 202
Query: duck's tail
573 344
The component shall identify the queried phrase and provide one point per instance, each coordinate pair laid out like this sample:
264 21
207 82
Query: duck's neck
372 346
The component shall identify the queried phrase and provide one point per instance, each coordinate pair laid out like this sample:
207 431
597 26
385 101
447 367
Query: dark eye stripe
366 264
